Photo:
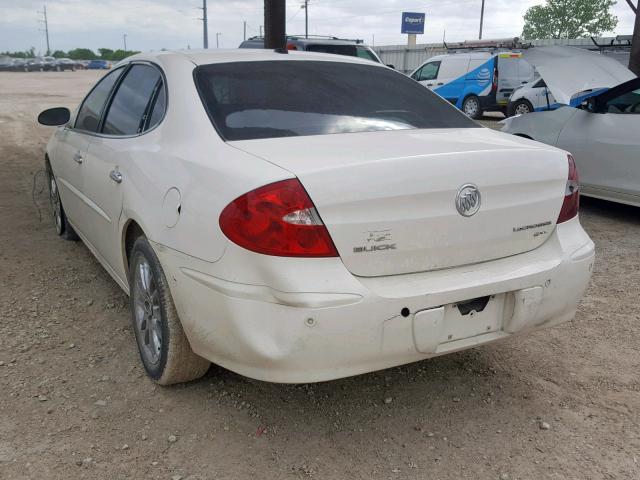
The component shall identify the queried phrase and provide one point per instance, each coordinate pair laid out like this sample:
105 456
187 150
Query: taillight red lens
291 46
277 219
571 202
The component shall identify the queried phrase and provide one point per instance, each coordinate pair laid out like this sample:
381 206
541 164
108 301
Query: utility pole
205 26
274 24
124 39
260 30
306 18
218 34
244 36
46 26
481 20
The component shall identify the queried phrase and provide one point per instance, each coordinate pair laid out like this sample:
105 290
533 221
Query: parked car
601 132
6 63
99 65
34 65
314 43
63 64
475 82
349 222
50 63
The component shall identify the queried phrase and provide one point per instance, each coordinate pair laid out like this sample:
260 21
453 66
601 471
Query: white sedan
300 217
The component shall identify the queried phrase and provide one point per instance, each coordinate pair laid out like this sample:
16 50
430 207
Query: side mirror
54 117
590 105
391 66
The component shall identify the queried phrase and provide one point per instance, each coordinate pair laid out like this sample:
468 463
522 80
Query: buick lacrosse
299 217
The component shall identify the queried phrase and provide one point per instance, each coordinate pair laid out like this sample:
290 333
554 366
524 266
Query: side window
158 108
428 72
363 52
129 107
626 103
88 117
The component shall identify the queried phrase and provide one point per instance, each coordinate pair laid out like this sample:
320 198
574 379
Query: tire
62 225
521 106
471 107
163 346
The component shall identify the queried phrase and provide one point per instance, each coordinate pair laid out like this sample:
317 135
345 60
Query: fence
407 58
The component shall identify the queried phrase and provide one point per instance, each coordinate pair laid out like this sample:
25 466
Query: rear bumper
336 325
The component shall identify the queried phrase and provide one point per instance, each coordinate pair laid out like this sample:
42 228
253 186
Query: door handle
77 158
116 176
440 83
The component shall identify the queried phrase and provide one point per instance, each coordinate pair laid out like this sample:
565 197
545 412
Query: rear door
71 153
129 114
513 72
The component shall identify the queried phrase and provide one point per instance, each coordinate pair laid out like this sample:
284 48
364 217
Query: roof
204 57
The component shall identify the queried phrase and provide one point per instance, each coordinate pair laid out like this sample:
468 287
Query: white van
532 97
475 82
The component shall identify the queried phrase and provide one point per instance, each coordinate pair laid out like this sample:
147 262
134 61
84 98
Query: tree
634 58
569 19
82 54
58 54
106 53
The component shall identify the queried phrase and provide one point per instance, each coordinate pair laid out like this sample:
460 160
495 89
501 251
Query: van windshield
251 100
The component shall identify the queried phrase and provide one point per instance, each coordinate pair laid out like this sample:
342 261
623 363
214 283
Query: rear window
251 100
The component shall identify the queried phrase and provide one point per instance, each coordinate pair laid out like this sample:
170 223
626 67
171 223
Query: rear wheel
471 107
164 349
63 228
520 107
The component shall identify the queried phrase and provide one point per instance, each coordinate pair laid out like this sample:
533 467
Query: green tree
59 54
569 19
106 53
82 54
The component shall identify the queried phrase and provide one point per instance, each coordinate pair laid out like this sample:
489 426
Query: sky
156 24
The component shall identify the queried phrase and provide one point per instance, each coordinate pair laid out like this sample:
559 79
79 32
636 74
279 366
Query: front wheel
62 225
520 107
471 107
164 349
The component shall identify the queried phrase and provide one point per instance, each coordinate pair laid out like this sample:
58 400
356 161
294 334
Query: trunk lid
388 198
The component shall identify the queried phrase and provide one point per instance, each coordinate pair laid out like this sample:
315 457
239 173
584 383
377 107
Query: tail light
277 219
571 202
291 46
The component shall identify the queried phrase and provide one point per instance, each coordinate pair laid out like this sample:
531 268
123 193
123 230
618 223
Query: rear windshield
251 100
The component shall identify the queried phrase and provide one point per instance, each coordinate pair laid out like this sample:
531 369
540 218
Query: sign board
413 23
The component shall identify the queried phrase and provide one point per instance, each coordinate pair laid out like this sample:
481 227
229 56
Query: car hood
568 71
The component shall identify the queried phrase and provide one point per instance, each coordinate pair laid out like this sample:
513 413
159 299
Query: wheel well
132 232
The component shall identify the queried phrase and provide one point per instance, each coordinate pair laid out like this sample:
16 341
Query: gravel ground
75 403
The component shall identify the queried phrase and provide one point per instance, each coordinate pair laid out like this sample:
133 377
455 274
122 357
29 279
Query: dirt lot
75 403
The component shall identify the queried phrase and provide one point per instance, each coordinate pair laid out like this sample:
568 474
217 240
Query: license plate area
437 329
468 319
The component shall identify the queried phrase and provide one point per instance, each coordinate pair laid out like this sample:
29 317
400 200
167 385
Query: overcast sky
156 24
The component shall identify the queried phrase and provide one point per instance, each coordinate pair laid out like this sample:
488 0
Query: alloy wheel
56 204
147 311
522 108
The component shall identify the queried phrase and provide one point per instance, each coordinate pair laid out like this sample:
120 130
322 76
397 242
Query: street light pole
124 38
218 34
306 18
481 20
205 27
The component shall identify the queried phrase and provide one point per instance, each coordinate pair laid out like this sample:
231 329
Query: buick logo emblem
468 200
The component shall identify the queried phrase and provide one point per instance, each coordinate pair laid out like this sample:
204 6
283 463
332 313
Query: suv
351 48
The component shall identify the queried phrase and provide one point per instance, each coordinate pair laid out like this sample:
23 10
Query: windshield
250 100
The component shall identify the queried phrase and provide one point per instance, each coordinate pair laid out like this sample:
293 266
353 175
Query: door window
428 72
88 118
131 103
626 103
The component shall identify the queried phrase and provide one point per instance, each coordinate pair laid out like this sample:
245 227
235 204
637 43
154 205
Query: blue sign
413 22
